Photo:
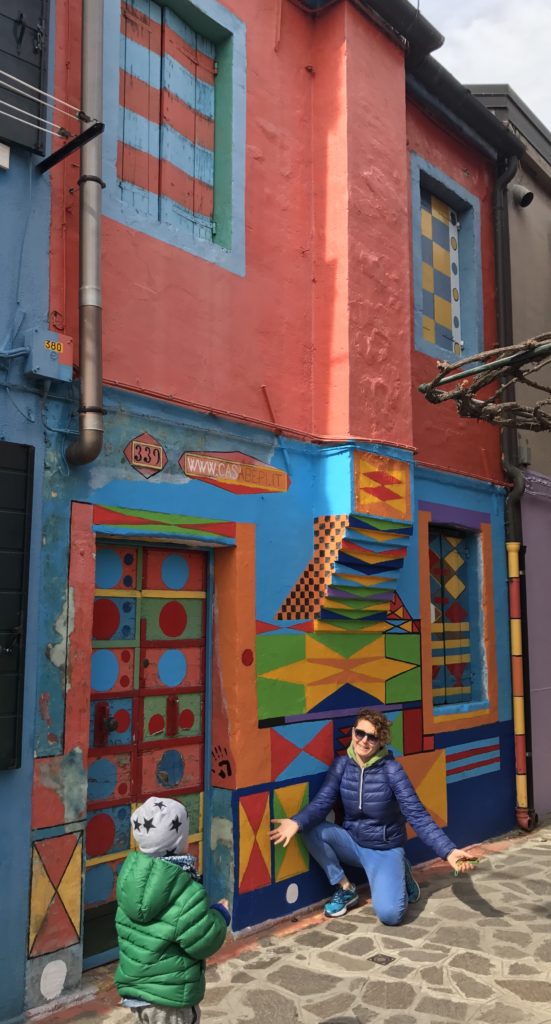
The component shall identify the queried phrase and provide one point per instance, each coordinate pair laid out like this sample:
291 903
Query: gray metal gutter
435 87
90 441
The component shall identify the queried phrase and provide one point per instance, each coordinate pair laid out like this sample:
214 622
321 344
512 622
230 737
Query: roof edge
455 101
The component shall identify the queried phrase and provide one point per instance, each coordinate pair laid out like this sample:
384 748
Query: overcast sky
497 41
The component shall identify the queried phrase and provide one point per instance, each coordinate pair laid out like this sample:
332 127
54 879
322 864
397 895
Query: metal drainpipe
525 813
90 440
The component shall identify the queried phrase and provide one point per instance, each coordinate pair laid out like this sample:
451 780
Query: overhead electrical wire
27 117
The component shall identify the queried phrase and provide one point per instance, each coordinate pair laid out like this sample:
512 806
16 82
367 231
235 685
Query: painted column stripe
518 715
516 638
520 754
513 565
518 682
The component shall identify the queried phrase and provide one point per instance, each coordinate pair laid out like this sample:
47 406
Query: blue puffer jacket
377 802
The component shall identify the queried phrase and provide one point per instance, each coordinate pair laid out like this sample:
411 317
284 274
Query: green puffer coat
165 930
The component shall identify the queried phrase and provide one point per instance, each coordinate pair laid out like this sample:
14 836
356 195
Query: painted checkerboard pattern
165 160
147 697
440 273
306 597
450 629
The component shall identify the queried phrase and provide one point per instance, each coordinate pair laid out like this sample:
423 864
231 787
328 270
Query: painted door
147 711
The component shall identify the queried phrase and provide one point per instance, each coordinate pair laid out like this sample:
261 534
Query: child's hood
148 885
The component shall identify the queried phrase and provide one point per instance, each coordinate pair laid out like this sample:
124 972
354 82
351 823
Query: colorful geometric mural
451 645
381 486
305 748
305 598
55 893
130 522
254 842
351 577
427 774
329 671
293 859
467 760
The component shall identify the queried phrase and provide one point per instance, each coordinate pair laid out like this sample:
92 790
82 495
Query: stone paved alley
474 948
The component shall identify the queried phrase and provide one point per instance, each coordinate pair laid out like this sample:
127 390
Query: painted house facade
279 529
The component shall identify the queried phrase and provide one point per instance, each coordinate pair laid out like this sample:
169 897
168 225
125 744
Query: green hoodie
382 752
165 930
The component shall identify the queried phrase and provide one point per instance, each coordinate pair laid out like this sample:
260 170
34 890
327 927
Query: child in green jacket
164 925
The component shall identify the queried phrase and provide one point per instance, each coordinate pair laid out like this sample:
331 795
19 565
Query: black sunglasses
361 735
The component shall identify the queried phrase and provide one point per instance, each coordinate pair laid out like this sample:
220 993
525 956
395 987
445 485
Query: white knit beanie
161 827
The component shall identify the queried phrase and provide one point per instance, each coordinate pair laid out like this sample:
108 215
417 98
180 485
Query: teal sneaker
412 887
341 901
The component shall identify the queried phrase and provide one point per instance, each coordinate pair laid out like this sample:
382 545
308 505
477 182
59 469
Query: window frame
477 671
467 206
450 717
214 21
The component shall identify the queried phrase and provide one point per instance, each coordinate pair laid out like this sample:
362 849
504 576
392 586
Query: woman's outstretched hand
286 829
461 860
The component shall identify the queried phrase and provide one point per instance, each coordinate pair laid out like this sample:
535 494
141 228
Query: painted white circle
53 979
292 893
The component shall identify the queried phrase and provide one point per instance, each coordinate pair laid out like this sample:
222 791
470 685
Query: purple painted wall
536 520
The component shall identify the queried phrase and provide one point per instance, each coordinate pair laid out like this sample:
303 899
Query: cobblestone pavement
475 948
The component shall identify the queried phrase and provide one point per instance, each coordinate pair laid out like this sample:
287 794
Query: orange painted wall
441 437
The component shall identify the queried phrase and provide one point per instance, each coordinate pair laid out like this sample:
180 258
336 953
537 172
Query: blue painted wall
24 238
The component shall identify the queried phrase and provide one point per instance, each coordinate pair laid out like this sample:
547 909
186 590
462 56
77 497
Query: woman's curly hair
380 722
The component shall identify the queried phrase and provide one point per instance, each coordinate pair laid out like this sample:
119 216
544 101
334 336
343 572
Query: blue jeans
333 846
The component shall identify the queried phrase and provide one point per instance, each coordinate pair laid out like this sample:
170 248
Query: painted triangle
256 874
55 854
302 765
283 753
56 931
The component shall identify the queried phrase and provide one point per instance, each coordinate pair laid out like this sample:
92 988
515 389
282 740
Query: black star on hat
159 804
148 824
137 825
175 825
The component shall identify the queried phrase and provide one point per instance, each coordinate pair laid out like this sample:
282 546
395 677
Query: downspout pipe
90 441
525 814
